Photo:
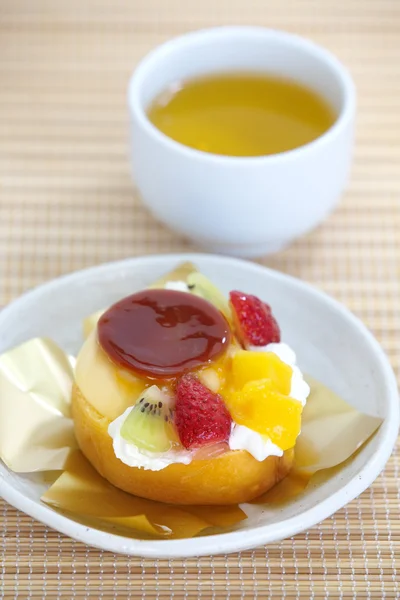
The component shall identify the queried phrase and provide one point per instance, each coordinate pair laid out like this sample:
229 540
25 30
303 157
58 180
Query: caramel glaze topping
163 333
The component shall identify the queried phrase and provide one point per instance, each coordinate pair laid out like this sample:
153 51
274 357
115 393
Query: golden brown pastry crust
232 478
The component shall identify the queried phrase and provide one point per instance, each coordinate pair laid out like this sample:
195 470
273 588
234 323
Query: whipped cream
133 456
177 286
259 446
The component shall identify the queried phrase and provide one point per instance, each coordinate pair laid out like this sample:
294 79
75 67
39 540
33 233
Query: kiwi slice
149 424
199 285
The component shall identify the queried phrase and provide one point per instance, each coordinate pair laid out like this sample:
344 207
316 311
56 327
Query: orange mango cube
252 366
260 407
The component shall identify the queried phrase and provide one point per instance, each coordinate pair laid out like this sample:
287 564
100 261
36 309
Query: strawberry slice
201 416
255 323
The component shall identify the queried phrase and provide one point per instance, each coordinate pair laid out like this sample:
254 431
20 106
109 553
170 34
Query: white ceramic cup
245 206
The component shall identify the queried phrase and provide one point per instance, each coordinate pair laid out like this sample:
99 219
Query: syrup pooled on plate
163 333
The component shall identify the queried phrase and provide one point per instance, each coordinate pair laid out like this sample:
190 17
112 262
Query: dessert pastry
182 396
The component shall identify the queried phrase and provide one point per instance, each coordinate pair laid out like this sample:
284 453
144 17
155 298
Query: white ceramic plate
332 346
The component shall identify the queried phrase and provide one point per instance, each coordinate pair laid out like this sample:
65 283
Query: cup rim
340 71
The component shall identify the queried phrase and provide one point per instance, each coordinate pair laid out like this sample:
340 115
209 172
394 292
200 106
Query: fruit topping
149 424
255 323
199 285
209 377
259 406
163 333
201 416
250 366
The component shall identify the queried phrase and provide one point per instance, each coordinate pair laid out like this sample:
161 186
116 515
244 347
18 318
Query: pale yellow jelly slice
260 407
90 323
108 388
251 366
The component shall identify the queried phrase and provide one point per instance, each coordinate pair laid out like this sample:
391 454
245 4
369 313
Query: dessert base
231 478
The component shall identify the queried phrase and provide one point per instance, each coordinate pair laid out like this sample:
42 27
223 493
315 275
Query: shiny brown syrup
162 334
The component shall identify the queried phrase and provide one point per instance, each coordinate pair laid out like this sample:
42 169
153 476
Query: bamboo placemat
66 202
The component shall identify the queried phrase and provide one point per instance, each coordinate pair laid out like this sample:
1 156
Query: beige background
66 201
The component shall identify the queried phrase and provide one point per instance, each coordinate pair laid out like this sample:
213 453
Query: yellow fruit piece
251 366
259 407
209 378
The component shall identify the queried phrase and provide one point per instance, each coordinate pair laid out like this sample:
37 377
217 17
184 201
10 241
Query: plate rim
233 541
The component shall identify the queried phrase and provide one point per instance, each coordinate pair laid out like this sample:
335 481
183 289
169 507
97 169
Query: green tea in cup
241 114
